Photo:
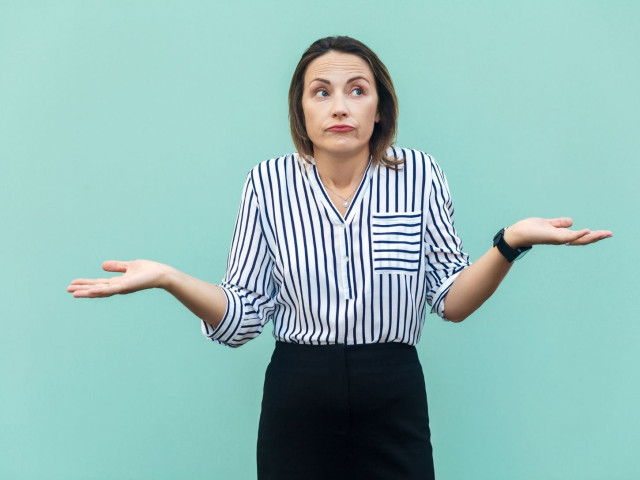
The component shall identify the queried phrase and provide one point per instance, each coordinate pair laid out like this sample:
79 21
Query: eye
357 91
321 93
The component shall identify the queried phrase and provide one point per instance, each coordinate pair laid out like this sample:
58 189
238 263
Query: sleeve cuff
441 293
230 322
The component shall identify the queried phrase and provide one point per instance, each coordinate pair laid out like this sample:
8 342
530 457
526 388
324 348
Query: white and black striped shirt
324 278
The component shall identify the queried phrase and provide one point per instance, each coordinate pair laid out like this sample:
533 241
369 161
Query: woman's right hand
137 275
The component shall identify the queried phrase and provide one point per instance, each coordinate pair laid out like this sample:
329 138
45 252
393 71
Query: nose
339 107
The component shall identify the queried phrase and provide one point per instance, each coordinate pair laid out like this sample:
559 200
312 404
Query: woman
340 245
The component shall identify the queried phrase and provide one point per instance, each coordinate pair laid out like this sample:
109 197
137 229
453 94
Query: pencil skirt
335 412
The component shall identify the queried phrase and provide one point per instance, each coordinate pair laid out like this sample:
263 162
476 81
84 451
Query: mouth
340 128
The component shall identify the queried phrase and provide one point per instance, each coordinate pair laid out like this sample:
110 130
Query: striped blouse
324 278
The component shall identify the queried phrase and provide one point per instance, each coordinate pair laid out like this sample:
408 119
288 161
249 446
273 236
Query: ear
377 117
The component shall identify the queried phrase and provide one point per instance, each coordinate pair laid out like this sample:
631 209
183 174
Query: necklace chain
346 200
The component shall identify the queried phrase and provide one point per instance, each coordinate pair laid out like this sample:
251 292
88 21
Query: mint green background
126 131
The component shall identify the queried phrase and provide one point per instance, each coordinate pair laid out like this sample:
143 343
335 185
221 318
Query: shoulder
270 174
274 164
414 160
419 167
267 167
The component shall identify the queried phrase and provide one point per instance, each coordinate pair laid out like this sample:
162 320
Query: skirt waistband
371 354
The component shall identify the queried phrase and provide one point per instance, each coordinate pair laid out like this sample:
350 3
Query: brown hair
384 131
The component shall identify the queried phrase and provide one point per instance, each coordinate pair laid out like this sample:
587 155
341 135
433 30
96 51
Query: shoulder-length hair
384 131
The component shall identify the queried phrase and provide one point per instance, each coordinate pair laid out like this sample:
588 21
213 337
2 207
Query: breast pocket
397 241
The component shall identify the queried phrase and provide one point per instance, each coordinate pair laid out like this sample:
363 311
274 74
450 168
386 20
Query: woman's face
340 105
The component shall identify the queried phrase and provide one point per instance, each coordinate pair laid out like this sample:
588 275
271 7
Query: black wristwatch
510 253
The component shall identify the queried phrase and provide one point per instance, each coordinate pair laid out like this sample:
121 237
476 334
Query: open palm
137 275
552 231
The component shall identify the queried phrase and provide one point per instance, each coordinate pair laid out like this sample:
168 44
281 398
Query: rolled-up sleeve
248 283
443 248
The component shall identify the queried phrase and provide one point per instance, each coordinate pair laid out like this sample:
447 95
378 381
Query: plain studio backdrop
127 130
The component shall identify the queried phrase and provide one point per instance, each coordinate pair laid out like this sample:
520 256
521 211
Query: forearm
205 300
474 285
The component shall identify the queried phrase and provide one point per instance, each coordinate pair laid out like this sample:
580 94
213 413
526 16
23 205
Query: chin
342 151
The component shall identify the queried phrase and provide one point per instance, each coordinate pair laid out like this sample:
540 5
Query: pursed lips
340 128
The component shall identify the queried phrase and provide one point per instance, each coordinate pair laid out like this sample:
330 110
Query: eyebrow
351 80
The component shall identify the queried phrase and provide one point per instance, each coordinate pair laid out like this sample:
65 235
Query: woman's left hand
550 231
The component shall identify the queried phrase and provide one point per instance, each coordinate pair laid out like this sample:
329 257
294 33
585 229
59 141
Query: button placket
346 287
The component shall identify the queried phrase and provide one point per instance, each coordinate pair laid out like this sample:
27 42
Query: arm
233 312
204 299
477 282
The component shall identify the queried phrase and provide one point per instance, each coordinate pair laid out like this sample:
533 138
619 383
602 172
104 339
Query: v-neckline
325 199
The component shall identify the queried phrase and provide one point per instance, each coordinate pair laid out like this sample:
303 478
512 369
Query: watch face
522 254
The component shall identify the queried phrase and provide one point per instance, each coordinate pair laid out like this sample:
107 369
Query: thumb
114 266
562 222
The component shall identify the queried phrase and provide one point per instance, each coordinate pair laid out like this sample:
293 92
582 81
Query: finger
93 283
571 236
90 293
592 237
114 266
85 293
99 291
75 288
89 281
560 222
82 283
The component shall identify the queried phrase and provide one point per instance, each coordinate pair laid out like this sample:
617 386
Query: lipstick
340 128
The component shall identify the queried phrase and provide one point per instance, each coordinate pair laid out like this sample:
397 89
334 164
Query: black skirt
344 412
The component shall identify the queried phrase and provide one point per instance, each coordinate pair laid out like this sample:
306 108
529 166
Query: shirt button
346 259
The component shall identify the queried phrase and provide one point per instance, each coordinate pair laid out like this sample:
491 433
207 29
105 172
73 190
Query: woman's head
384 130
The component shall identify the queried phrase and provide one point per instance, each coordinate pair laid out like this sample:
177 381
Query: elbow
455 318
453 314
456 312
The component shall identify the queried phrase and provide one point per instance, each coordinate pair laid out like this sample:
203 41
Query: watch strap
510 253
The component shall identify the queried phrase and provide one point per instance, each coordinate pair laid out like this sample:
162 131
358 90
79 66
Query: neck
342 174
